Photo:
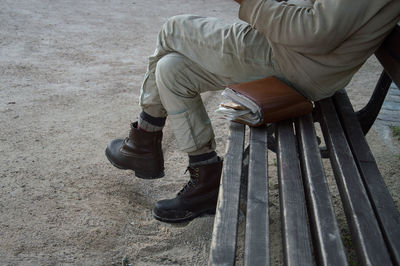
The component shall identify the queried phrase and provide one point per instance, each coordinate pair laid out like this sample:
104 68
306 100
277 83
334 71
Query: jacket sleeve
317 29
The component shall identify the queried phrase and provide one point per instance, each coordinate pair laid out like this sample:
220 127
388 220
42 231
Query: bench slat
223 245
295 232
257 219
366 235
329 248
382 202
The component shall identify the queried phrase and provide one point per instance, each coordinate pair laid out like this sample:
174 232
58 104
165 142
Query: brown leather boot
140 152
198 196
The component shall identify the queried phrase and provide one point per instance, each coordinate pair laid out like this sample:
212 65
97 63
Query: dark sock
150 123
202 159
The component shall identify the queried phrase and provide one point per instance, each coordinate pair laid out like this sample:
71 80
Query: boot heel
147 176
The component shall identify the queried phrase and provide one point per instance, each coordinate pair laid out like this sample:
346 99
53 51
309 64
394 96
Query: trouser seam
192 41
191 131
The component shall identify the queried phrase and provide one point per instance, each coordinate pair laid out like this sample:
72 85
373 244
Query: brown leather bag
276 100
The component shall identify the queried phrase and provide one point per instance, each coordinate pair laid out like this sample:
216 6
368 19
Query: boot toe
146 166
113 154
171 211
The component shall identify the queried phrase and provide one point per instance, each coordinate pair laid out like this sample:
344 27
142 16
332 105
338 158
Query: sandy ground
70 75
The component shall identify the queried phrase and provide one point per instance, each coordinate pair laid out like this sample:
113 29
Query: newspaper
239 108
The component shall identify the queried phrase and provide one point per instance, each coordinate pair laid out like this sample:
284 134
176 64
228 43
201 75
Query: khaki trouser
193 55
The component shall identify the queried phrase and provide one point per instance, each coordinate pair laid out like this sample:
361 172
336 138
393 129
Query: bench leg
367 115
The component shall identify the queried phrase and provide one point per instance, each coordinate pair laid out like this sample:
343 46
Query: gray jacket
319 45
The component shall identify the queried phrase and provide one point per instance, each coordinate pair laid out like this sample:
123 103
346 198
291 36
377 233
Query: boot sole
189 217
137 174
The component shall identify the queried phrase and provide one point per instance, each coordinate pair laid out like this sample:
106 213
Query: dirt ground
70 76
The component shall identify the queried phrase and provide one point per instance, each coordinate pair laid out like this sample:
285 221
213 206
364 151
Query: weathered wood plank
385 209
295 231
365 231
328 246
257 221
223 245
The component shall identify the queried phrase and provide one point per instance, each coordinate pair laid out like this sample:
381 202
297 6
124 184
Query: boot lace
191 183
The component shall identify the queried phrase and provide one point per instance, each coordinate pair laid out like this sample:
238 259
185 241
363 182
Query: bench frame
309 229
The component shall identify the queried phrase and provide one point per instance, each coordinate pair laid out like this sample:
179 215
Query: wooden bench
310 233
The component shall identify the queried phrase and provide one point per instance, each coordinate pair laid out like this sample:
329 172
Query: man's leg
223 54
234 52
180 82
194 55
